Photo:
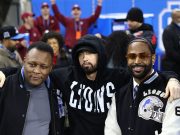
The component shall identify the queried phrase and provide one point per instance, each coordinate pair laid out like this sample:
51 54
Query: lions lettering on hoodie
88 101
91 100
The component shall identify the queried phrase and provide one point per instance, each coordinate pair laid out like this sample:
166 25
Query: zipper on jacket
53 114
29 94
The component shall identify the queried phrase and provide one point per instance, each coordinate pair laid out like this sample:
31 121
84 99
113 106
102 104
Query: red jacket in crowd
69 23
33 33
51 24
34 36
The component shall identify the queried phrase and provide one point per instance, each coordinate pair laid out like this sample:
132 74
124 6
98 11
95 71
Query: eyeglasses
133 56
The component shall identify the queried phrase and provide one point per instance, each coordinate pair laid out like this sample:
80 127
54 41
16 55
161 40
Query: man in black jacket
88 86
138 108
28 101
137 27
171 41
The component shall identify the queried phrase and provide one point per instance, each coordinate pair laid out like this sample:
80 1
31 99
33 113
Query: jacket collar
152 77
148 80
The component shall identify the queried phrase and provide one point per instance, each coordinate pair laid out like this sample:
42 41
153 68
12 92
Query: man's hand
2 79
53 2
172 89
99 2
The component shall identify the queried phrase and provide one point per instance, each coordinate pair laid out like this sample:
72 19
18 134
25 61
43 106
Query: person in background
28 99
116 47
139 107
137 26
46 22
56 41
28 27
171 41
76 27
9 38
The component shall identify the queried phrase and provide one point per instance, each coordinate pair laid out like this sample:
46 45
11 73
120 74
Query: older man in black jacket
171 41
28 102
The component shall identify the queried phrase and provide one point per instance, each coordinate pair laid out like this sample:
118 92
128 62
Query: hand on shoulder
2 79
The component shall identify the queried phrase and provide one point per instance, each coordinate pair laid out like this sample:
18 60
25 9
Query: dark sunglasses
133 56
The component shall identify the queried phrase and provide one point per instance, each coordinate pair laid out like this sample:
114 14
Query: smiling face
76 13
53 42
140 60
37 66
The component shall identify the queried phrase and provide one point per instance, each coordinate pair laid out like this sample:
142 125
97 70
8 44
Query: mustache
137 65
84 63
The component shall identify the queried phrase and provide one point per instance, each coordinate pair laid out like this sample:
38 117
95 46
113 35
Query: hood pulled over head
92 44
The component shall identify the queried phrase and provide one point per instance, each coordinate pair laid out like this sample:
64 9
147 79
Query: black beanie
135 14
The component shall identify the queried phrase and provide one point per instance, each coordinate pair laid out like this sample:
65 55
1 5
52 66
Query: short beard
147 69
89 70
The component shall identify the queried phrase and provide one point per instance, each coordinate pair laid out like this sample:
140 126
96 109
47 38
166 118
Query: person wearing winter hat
137 27
135 18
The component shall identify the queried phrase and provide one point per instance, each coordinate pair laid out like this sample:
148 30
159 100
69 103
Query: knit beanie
135 14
